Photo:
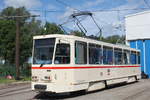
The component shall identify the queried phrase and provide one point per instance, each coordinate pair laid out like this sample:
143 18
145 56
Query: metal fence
8 69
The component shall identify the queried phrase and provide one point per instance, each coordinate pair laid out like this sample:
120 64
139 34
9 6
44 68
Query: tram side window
138 54
133 57
80 52
62 55
107 55
126 57
95 54
118 56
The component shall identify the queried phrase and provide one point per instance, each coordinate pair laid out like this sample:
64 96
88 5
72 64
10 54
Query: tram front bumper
42 87
57 87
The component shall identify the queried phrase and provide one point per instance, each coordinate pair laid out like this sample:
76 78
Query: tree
8 30
77 33
9 11
114 39
52 28
28 28
7 40
27 32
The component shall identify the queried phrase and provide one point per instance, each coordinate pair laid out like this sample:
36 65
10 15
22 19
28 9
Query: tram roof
84 39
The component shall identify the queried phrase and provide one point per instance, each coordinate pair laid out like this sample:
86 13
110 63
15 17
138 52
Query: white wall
138 26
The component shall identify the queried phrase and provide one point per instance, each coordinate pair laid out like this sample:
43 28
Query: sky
104 12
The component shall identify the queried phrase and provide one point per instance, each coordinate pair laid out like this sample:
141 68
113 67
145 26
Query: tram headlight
34 78
47 78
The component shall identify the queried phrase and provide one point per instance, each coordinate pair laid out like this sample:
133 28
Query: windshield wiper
42 64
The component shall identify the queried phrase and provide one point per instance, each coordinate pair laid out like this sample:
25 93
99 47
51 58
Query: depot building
138 36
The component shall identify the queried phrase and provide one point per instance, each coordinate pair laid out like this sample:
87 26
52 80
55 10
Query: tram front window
43 51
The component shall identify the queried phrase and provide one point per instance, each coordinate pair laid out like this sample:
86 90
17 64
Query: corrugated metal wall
140 47
144 47
147 55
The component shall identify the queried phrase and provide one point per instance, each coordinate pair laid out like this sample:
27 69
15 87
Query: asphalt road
135 91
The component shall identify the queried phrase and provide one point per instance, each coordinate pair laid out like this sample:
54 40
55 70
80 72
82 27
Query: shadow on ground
48 96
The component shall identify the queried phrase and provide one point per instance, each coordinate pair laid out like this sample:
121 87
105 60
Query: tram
67 63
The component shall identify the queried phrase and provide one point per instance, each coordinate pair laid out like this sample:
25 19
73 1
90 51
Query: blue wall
141 44
140 47
147 53
133 44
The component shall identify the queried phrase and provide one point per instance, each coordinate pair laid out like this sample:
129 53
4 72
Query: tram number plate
40 87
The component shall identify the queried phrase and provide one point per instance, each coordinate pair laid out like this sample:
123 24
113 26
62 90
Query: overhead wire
112 10
46 10
146 3
109 10
95 11
67 5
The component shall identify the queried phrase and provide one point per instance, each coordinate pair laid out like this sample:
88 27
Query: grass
26 79
5 80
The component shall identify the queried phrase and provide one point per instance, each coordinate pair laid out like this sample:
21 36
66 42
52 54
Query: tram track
6 86
10 94
14 90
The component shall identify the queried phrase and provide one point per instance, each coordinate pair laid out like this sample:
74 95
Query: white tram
66 63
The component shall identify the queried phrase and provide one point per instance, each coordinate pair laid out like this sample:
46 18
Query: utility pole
17 42
17 46
17 51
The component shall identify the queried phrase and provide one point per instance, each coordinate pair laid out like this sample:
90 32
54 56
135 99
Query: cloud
93 3
104 21
119 23
113 22
110 22
51 7
102 18
66 14
27 3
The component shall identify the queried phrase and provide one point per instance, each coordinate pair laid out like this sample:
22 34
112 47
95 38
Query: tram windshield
43 51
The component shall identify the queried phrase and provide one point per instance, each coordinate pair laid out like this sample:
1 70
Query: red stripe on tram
83 67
